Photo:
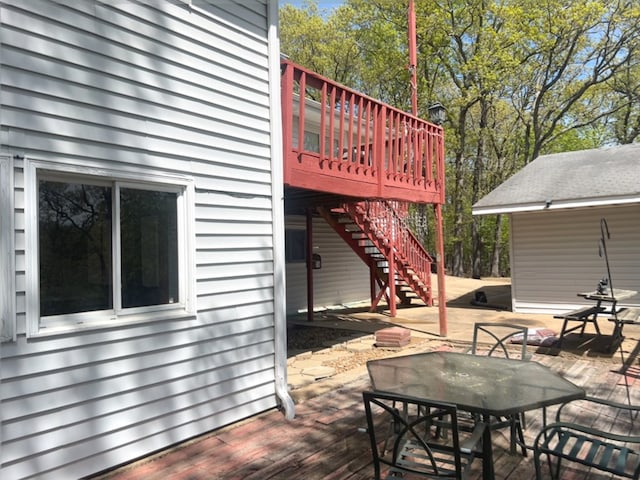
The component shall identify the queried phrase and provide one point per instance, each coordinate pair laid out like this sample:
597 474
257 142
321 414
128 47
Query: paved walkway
310 372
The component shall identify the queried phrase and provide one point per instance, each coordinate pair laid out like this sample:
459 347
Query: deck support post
309 261
392 280
372 281
442 297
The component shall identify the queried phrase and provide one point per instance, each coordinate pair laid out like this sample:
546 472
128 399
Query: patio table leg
487 452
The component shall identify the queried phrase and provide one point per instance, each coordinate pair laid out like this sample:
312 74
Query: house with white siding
556 206
148 179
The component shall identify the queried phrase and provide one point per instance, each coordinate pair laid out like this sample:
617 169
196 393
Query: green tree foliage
519 78
327 46
624 92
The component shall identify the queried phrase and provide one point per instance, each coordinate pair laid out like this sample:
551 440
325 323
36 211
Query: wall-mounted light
547 203
437 113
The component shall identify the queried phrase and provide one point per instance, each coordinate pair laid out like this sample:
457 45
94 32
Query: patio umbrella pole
604 228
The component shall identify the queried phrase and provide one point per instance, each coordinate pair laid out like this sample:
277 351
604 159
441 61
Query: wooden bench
615 453
628 316
583 316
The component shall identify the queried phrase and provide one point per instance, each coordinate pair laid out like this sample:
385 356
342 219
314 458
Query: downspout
277 200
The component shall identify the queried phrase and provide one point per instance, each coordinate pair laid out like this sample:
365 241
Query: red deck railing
339 141
387 222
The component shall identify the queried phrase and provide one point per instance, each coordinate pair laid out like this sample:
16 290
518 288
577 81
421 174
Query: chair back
495 337
414 447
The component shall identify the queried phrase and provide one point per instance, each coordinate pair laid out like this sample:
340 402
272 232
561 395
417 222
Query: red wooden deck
323 441
341 147
342 142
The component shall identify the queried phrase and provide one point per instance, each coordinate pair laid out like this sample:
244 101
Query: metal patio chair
494 339
615 450
415 450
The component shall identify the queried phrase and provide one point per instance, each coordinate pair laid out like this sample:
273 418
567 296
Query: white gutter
555 205
277 200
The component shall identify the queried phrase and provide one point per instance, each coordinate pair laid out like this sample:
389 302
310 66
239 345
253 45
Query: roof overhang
551 204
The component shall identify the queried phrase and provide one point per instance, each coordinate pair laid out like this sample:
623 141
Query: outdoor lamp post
437 113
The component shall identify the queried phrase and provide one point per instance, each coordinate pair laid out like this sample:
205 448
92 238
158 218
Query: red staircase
378 232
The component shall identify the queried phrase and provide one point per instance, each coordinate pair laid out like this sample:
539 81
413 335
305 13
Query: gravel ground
315 338
357 359
300 338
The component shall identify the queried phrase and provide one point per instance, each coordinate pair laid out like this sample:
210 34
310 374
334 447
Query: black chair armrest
470 444
609 403
590 431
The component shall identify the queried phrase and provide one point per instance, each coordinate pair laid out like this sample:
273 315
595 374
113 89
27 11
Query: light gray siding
176 88
555 254
343 278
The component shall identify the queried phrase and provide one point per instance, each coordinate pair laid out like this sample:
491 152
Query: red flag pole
413 57
413 69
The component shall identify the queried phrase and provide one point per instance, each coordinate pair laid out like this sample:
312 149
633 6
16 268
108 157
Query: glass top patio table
474 383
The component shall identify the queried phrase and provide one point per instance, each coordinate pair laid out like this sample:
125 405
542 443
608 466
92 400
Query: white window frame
131 177
7 252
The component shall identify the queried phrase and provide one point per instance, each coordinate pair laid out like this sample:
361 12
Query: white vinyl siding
555 255
138 87
343 278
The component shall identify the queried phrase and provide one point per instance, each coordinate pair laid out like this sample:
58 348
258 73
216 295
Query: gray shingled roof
601 176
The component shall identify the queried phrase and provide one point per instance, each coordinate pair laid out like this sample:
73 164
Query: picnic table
589 313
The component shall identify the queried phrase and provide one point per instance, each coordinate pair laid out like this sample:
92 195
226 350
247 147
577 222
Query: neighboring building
144 182
556 205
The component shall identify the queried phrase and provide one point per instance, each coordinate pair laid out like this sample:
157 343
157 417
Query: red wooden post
323 121
310 302
286 93
442 297
341 126
332 121
391 257
380 117
302 100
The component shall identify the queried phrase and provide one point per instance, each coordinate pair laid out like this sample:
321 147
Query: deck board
323 441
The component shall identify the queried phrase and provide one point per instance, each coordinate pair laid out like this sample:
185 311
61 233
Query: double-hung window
108 248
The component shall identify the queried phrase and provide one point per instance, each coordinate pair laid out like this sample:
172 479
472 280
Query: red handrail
387 222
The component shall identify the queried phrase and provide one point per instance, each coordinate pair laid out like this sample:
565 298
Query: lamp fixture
437 113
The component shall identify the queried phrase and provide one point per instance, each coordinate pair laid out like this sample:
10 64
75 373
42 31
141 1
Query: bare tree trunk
457 250
457 245
497 248
477 245
476 239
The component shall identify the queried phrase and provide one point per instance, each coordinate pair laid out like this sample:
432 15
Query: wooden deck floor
323 441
